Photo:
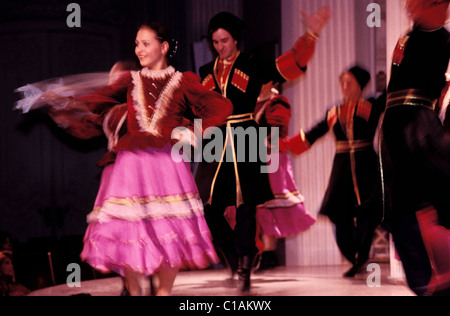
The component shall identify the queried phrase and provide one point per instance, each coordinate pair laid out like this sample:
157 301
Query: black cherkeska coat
217 181
354 182
416 149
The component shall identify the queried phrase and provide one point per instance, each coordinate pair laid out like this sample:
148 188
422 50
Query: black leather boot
231 260
244 272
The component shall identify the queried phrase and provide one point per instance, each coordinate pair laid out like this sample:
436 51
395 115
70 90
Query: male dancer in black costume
415 151
352 200
239 183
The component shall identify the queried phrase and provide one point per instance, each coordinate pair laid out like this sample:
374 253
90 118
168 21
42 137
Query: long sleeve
83 117
106 98
301 142
207 105
78 121
76 103
293 63
320 129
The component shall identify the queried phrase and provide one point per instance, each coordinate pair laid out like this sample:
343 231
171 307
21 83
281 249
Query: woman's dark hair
164 34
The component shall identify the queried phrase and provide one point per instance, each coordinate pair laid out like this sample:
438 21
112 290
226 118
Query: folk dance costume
352 199
238 181
148 214
285 215
415 155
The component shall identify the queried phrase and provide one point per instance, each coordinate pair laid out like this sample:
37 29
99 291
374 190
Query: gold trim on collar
225 87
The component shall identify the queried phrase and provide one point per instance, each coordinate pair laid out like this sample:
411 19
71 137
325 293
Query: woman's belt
343 147
412 97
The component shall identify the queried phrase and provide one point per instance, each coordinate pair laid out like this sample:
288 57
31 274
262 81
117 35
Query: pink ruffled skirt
147 215
285 215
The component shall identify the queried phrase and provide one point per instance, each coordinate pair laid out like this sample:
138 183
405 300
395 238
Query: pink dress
285 215
148 213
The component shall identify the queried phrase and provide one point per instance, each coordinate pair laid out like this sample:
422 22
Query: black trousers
241 240
412 252
354 234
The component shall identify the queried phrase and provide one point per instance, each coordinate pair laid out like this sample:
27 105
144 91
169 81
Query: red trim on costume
304 49
399 52
287 66
364 109
240 80
298 144
209 83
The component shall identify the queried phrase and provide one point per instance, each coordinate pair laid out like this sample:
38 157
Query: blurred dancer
239 77
415 151
353 198
285 215
148 216
79 121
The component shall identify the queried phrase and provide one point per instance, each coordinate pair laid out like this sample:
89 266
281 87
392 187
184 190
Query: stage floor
282 281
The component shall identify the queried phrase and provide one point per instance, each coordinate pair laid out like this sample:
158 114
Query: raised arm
293 63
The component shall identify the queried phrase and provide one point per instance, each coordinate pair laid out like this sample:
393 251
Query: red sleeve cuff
287 66
298 144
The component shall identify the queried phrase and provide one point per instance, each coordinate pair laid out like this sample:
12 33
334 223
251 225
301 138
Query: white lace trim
113 138
150 124
158 74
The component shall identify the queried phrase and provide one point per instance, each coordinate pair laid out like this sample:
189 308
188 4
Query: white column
310 98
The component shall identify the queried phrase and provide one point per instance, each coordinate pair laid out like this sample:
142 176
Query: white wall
345 41
310 98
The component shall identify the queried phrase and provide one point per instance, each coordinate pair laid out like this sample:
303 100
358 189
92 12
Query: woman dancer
285 215
148 216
